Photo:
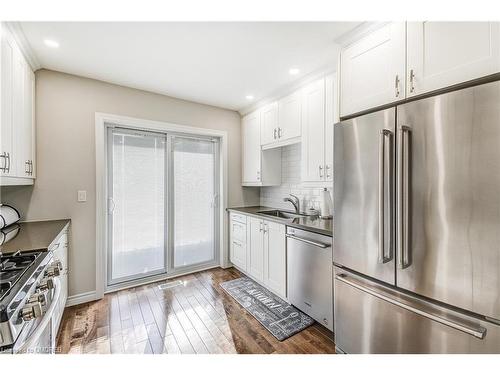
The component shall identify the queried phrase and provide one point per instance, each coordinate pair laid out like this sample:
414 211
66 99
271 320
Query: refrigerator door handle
403 225
385 135
479 333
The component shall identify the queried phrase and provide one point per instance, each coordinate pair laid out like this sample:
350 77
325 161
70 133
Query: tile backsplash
308 194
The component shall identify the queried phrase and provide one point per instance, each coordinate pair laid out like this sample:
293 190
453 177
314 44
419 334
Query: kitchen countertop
34 235
312 224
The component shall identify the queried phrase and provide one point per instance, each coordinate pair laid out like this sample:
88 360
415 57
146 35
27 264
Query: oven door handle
45 320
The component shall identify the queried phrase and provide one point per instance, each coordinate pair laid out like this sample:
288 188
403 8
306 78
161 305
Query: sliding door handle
384 187
403 204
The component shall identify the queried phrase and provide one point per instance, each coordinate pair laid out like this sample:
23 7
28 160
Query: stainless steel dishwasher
310 274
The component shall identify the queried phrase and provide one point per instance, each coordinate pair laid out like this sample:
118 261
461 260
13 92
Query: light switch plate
82 196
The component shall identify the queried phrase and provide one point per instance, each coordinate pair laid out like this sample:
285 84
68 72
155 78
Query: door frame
102 122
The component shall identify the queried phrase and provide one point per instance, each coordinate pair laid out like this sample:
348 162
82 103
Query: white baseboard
81 298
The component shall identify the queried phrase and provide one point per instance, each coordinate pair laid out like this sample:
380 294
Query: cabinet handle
321 171
27 167
279 132
31 167
327 168
260 225
8 160
412 80
397 85
274 133
4 156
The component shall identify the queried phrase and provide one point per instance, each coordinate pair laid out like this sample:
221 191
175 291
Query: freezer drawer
310 274
371 318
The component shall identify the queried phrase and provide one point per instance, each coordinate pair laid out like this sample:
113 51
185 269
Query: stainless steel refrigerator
417 226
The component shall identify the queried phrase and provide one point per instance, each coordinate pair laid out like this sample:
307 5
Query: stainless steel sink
282 214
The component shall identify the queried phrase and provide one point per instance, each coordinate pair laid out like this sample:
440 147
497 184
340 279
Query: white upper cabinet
7 94
313 131
330 118
269 126
259 168
318 117
17 155
442 54
373 70
289 114
282 122
250 131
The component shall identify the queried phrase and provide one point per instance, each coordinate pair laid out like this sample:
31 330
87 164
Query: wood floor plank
195 317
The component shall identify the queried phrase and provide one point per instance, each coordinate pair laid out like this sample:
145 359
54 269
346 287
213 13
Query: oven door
37 337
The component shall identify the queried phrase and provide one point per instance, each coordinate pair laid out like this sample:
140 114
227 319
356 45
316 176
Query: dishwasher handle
310 242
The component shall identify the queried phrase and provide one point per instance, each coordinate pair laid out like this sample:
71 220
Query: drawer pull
479 333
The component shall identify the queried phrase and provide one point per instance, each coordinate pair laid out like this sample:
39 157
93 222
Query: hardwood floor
196 317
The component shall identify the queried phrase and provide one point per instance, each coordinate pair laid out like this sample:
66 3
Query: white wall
65 122
290 184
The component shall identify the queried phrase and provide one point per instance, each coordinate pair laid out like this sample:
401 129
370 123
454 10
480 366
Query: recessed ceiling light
249 97
51 43
294 71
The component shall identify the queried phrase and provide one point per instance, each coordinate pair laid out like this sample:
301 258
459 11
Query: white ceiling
213 63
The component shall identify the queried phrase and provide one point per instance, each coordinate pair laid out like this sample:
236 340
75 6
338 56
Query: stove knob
46 284
32 311
38 297
52 271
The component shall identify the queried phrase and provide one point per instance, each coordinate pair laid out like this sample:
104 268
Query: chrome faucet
295 201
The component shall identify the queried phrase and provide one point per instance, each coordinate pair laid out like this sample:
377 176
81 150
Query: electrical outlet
82 196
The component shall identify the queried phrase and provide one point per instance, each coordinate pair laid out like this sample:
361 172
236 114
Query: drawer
238 231
239 218
371 318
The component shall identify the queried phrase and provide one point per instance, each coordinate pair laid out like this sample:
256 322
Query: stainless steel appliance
417 218
29 293
309 273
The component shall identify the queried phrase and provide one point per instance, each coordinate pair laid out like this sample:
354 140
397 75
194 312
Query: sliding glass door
195 185
162 199
136 204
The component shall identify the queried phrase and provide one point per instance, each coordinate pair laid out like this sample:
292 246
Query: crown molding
25 47
342 41
358 32
289 88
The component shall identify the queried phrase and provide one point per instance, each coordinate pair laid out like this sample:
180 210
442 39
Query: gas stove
12 268
26 281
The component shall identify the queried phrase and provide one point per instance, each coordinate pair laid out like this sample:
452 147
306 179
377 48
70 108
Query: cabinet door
251 147
275 258
442 54
255 264
373 69
313 131
6 139
238 249
330 115
24 130
290 120
269 123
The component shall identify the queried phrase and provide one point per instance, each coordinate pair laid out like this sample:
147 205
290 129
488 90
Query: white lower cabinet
258 248
275 257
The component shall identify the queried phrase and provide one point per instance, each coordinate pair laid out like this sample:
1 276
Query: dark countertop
312 224
34 235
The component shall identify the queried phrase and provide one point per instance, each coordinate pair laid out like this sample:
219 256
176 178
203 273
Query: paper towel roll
325 204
